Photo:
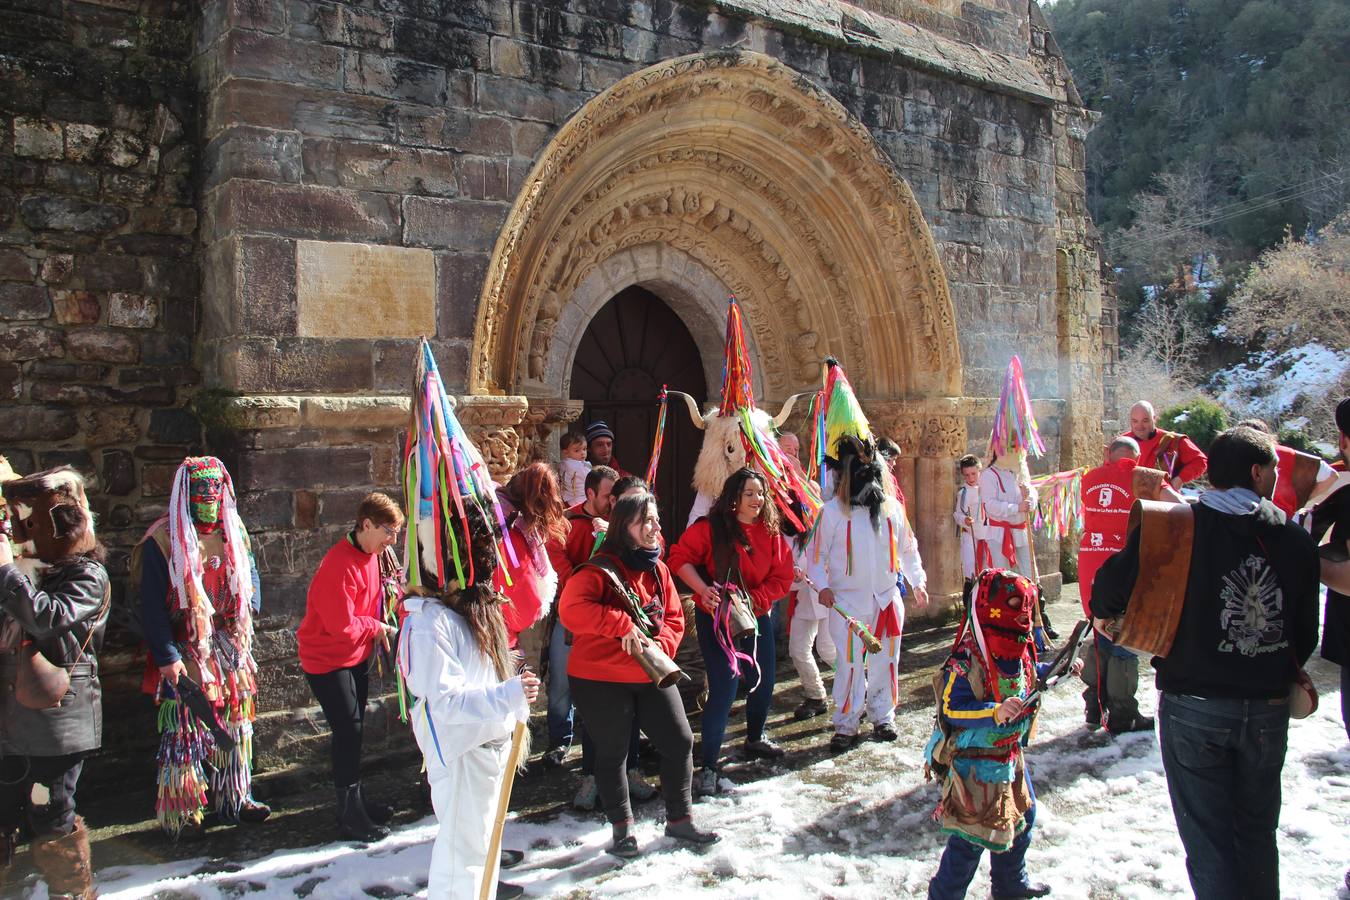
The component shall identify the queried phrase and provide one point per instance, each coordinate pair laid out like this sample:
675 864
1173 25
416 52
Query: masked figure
198 587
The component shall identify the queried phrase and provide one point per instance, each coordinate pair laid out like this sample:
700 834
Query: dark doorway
634 345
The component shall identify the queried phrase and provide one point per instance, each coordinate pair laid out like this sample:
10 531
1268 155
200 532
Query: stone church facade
227 225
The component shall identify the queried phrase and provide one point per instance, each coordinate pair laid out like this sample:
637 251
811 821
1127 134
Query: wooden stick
494 854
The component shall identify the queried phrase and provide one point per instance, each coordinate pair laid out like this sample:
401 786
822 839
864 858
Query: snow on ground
1268 385
855 826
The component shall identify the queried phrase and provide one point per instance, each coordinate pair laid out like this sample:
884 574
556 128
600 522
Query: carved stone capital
492 424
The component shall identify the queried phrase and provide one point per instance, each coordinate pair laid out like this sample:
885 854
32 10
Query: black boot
353 821
379 813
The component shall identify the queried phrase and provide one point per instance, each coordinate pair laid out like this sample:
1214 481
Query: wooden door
634 345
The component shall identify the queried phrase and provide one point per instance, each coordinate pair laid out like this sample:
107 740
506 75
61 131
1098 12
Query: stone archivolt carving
797 210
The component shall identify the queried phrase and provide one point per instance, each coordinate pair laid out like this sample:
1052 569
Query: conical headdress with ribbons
442 473
1014 420
796 497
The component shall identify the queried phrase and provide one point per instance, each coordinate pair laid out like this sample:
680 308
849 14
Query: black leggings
609 709
58 775
342 696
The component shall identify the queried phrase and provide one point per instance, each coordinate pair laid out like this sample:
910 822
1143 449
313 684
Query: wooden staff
864 633
489 885
1037 619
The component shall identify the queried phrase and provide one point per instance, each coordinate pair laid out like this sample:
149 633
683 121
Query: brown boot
64 862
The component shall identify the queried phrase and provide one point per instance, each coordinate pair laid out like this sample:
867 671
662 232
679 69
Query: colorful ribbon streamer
1014 421
1059 507
659 439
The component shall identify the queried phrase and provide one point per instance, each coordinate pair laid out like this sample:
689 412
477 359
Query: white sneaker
705 783
588 796
639 788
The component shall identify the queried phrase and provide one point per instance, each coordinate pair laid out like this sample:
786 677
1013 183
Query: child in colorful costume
988 802
862 543
198 588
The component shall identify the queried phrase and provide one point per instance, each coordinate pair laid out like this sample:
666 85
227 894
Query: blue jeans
961 859
560 728
722 685
1223 759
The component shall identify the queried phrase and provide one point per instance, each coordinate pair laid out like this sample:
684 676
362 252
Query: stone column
931 435
545 418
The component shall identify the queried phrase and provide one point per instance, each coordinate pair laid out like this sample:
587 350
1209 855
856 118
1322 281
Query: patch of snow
1269 385
857 825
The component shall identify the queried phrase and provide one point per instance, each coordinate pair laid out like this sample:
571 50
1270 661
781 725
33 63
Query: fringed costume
862 543
199 593
987 802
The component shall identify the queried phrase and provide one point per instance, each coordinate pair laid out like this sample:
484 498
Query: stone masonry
226 225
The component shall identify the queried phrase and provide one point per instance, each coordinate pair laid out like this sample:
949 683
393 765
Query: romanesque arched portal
731 173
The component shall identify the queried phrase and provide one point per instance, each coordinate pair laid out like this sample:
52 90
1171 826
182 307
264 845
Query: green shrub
1200 420
1298 439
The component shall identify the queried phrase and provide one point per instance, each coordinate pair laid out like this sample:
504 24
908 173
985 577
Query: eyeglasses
392 532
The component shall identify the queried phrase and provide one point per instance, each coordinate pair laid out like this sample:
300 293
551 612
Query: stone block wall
99 274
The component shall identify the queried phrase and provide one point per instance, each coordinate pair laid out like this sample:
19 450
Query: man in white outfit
862 542
1007 499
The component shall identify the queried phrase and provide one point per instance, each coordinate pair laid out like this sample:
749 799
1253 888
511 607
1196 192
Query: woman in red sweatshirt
343 623
609 688
737 542
532 506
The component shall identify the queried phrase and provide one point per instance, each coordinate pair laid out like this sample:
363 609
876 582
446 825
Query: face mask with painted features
206 487
1003 608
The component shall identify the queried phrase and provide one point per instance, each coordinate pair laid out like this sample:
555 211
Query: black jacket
1334 513
1250 613
57 615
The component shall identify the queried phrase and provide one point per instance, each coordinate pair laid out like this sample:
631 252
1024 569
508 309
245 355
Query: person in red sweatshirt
343 623
614 605
738 542
585 522
532 506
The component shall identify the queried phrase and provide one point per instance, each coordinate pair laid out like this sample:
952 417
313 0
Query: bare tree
1170 224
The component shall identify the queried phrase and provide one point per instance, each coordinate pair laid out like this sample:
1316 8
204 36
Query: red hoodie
766 565
342 610
591 610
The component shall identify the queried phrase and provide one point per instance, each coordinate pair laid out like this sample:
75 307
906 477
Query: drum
1166 537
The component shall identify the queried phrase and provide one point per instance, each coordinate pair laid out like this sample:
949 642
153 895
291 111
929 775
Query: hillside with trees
1218 177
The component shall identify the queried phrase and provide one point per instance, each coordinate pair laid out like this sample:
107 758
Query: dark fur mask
50 515
857 468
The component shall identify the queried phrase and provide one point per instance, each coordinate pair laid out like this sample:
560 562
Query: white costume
864 589
967 505
805 630
703 505
572 480
463 720
1001 501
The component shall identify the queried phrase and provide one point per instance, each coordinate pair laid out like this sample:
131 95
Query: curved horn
694 414
781 419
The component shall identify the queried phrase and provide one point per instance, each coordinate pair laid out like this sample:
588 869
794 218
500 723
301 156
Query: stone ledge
260 412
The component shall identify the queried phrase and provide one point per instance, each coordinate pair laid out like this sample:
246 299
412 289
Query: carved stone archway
765 180
730 173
